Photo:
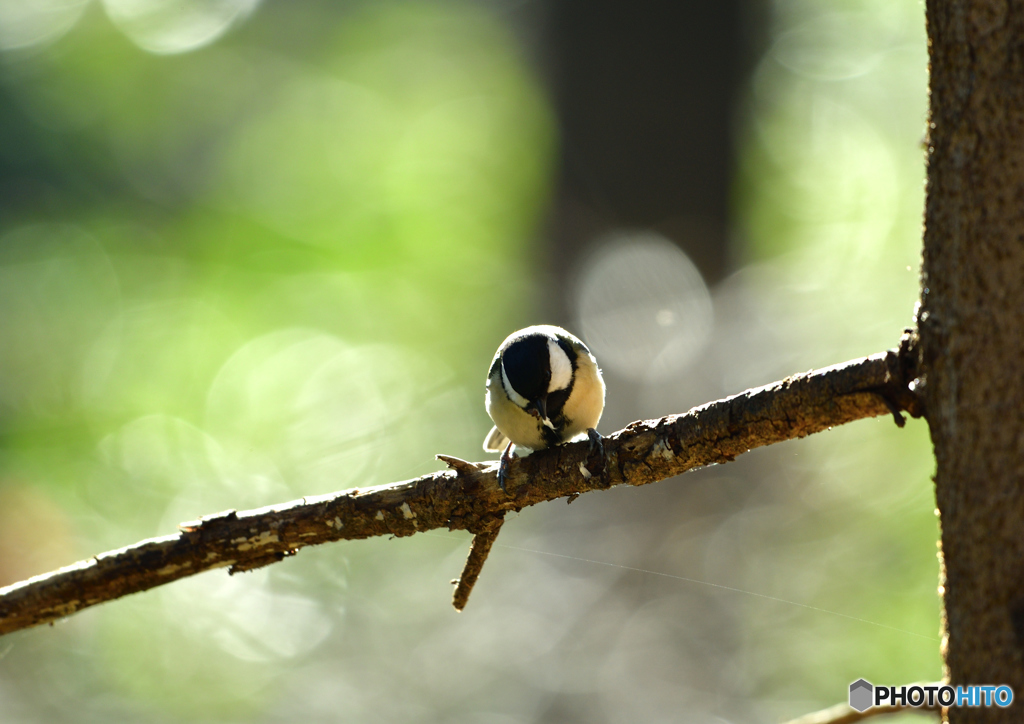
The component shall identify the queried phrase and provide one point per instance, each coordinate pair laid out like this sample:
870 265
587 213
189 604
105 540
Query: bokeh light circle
166 27
642 306
24 23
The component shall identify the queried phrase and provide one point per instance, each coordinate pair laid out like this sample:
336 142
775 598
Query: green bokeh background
278 264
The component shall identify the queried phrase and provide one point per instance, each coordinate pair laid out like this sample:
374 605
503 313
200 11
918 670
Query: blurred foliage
233 276
831 195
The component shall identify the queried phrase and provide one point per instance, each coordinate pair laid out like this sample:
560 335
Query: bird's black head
527 365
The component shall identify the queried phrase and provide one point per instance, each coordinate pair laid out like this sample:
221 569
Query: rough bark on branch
469 498
478 550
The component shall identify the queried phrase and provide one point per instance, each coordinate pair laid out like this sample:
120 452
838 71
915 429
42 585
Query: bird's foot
505 466
596 444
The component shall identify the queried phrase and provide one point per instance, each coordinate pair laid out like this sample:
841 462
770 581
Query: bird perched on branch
543 388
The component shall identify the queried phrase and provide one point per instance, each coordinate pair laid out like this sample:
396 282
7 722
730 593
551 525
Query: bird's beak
541 406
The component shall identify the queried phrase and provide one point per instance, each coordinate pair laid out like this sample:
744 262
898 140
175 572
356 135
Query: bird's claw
596 442
505 466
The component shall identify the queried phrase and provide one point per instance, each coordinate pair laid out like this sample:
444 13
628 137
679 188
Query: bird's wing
495 441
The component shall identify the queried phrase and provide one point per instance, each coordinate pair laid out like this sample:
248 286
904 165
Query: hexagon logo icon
861 694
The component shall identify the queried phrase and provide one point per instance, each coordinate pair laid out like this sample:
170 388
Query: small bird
543 388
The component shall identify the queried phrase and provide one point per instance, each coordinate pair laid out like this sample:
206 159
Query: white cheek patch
561 367
512 394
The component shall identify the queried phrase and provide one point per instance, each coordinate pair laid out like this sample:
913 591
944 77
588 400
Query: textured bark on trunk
971 325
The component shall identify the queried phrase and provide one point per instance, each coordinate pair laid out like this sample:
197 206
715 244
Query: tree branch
478 550
468 498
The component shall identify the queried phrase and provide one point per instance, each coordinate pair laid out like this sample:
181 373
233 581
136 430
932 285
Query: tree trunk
971 324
